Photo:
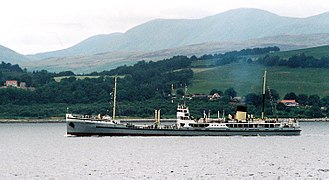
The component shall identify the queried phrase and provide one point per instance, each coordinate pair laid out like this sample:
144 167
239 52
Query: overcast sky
32 26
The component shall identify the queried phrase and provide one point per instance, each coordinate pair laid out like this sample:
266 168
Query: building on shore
290 103
16 84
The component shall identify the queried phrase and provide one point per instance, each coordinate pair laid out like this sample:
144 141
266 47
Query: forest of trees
146 86
296 61
309 106
232 56
142 82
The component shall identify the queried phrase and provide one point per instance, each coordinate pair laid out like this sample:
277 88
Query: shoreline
314 120
62 120
32 120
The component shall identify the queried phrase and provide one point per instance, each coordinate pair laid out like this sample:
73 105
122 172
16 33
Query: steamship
242 125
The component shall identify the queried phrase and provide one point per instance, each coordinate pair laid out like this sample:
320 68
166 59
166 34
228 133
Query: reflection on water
44 151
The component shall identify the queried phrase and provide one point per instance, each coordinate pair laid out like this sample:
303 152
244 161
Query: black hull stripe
202 130
128 134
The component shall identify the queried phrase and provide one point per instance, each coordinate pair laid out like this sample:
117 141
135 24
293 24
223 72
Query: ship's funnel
241 113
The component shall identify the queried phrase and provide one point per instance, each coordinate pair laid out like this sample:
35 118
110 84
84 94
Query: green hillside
247 78
316 52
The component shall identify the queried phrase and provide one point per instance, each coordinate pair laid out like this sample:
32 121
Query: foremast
264 90
114 96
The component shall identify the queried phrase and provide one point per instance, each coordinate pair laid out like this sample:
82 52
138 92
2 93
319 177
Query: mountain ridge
9 55
233 25
110 60
163 38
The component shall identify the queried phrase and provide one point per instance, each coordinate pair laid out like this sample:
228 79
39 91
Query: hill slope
246 78
234 25
9 56
110 60
249 79
317 52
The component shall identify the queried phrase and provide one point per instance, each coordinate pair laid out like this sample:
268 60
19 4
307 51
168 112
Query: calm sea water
43 151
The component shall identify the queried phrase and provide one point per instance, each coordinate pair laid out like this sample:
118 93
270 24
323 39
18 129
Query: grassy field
247 78
316 52
58 79
208 62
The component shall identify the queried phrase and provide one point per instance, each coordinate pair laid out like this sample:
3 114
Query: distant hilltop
163 38
234 25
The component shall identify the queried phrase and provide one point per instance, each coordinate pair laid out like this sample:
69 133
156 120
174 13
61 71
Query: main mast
114 96
264 90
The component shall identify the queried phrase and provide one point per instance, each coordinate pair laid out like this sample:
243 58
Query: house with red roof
290 103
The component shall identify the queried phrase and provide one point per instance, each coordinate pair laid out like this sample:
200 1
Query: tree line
144 81
232 56
296 61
